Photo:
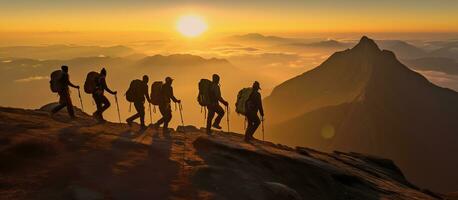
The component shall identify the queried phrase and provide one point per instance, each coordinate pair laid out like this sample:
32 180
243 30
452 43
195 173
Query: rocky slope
55 158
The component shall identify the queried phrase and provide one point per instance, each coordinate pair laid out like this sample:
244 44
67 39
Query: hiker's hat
168 79
256 85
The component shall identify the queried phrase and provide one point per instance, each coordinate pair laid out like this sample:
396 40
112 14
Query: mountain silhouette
322 44
365 100
450 50
440 64
403 49
180 59
44 158
63 51
260 38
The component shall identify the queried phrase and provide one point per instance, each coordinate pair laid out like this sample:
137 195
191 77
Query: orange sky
232 16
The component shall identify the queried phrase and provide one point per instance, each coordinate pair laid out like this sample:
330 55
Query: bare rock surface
43 157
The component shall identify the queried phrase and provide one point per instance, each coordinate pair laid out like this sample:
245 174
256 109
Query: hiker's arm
105 87
173 96
220 98
71 84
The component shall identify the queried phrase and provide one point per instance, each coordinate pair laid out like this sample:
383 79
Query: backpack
156 92
135 93
91 82
204 92
242 98
55 83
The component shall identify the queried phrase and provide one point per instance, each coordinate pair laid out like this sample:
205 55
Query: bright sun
191 25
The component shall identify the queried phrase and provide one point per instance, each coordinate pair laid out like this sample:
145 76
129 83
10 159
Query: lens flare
328 131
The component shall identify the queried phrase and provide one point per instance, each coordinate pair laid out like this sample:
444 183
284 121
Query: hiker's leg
70 110
62 103
249 127
220 111
255 124
105 104
168 117
140 107
98 104
136 115
58 107
211 114
162 111
133 117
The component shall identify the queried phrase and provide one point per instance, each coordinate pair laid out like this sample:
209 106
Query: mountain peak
367 44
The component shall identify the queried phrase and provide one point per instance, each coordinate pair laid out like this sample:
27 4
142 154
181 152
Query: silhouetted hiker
213 106
136 93
164 105
252 106
60 80
100 99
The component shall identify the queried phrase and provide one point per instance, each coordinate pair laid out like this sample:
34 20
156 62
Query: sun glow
191 25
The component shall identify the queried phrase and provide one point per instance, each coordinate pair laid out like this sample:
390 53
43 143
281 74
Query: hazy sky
232 16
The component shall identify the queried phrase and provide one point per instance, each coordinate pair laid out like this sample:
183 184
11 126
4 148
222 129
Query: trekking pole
227 111
150 114
117 106
180 107
262 120
81 100
181 114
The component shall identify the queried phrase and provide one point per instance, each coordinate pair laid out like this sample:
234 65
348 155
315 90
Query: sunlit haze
378 77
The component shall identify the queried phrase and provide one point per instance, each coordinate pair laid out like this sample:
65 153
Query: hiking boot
209 132
129 122
217 126
143 127
156 126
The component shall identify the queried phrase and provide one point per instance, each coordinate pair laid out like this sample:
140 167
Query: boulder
276 190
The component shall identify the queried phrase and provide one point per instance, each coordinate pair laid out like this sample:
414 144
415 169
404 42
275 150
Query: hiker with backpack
136 94
99 87
60 82
166 94
253 105
214 97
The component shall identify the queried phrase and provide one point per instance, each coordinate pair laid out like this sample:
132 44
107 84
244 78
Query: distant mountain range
179 59
402 49
256 37
442 64
364 100
321 44
63 52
